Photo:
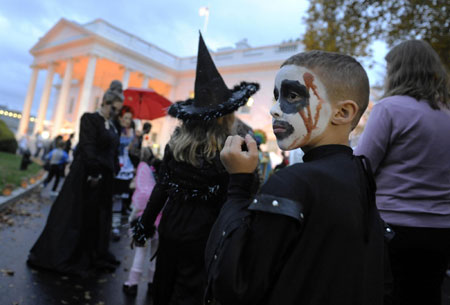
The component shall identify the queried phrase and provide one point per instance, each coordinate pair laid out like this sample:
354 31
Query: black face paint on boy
287 128
294 96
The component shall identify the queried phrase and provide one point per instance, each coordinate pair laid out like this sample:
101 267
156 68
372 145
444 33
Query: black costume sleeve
88 136
155 205
249 242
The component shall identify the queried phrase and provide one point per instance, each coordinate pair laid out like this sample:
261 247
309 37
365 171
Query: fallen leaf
87 295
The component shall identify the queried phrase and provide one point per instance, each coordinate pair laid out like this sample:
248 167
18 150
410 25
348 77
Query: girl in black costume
193 182
75 239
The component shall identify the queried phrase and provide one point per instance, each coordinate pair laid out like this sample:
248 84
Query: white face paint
302 111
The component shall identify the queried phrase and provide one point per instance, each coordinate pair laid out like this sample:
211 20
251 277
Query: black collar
326 150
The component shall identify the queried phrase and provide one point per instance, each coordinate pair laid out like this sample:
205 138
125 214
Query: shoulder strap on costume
278 205
369 190
369 173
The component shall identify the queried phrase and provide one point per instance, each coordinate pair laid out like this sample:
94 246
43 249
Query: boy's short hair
343 76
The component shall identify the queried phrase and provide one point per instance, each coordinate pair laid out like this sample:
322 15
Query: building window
72 102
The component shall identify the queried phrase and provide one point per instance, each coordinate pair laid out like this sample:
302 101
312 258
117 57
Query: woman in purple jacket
407 141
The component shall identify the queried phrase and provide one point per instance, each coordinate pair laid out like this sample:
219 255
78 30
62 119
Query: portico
88 57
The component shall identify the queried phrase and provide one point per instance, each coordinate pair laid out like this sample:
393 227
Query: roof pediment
61 33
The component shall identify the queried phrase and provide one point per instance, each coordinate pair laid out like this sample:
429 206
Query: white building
89 56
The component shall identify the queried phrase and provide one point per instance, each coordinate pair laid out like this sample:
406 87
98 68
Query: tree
349 26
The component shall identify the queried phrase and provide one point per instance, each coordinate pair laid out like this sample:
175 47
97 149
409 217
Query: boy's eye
293 97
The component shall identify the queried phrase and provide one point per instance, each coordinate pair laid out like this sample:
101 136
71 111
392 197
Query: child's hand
235 158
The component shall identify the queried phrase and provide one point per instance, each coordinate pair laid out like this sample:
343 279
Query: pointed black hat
212 97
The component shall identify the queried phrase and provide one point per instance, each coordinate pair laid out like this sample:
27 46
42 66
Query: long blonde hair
195 140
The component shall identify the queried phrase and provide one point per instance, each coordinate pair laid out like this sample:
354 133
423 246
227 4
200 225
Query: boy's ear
344 112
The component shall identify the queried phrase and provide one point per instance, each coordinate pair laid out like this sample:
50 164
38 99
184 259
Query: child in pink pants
145 182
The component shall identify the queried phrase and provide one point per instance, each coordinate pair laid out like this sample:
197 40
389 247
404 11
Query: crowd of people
218 225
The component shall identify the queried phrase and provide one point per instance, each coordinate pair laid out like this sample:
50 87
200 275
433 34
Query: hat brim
186 110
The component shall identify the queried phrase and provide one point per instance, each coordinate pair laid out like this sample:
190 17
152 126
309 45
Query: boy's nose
275 111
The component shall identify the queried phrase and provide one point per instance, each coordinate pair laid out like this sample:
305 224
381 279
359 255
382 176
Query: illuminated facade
89 56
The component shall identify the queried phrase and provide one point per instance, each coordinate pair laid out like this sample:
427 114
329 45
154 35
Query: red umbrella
146 103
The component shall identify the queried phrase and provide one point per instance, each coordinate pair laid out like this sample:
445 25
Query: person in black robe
76 237
192 185
312 234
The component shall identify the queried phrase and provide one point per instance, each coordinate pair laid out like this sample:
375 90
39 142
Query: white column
126 78
86 92
23 125
145 81
62 99
38 124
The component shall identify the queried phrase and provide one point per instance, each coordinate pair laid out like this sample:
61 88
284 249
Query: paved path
20 226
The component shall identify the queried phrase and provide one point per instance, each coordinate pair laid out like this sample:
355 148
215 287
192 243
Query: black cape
78 227
312 235
192 198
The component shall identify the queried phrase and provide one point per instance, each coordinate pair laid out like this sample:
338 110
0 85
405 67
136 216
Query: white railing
226 57
132 42
246 56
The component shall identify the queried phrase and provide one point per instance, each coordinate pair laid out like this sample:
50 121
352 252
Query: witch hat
212 97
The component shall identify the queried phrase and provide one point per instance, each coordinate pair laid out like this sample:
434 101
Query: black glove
140 232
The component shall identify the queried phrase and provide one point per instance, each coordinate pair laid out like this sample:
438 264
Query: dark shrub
8 142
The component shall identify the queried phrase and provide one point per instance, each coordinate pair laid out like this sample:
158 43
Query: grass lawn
10 172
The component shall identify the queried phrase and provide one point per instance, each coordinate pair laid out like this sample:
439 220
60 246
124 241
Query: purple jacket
408 144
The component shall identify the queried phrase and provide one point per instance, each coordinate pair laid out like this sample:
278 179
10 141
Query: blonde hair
196 140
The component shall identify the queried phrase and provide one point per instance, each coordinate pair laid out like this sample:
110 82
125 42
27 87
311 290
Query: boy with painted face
312 234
